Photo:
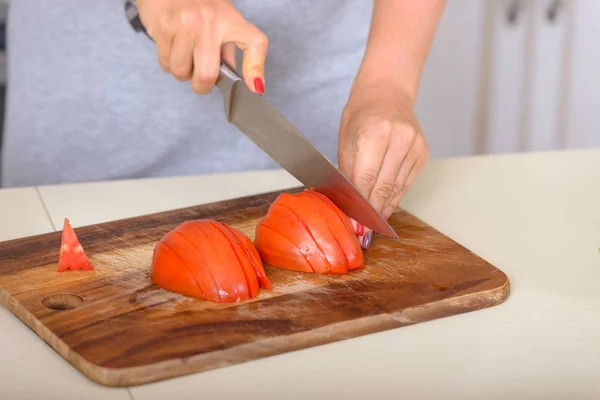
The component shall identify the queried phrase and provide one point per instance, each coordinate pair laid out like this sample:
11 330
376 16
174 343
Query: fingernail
259 85
366 240
360 229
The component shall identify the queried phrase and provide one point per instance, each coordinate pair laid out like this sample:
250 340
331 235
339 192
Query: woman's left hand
381 148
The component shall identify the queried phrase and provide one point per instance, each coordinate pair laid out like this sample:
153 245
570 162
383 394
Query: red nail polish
259 86
360 229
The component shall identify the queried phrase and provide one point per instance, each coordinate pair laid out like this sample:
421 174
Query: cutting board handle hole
62 301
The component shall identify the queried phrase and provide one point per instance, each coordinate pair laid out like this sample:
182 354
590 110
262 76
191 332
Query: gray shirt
87 100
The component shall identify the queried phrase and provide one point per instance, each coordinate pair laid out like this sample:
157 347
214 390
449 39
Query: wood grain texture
119 329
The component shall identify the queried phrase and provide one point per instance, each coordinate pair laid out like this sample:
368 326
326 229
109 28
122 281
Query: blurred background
512 76
502 76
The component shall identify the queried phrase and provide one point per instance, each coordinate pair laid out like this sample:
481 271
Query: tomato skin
208 260
290 244
71 255
234 249
184 282
353 252
307 232
277 250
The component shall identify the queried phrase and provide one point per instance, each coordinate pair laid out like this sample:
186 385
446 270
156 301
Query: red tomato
307 232
209 260
71 255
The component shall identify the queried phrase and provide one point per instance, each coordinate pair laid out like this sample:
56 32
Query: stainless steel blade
275 135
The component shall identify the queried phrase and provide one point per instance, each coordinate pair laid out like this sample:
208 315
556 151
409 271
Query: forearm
400 36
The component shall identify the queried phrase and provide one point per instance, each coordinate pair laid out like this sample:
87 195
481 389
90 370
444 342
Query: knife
254 116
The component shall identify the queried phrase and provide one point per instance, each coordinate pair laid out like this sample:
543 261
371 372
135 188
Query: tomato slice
340 226
314 220
188 261
277 250
255 260
243 257
218 248
326 201
289 225
226 286
71 255
176 278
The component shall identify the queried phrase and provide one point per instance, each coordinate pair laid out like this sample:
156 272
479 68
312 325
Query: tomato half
209 260
307 232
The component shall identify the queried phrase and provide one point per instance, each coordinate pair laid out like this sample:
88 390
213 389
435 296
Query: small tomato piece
71 255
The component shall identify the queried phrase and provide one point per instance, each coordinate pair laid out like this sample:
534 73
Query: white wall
494 85
448 97
583 95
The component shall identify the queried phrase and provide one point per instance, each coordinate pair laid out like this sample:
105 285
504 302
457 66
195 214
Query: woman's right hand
191 36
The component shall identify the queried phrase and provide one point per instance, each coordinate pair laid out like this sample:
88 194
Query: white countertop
535 216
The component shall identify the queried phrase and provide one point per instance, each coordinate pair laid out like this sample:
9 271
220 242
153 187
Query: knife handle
227 75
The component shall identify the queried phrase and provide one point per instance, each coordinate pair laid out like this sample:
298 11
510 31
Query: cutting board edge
253 351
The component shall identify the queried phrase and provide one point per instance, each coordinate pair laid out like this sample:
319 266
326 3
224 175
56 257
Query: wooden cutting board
119 329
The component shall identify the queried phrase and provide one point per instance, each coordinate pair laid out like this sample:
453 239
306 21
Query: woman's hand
381 148
191 36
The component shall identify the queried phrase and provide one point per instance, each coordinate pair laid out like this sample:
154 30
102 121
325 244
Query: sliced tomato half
209 260
307 232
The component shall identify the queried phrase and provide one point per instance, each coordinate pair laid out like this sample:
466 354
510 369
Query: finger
371 145
254 45
228 54
207 60
403 185
416 148
345 161
416 168
162 33
386 186
180 60
163 50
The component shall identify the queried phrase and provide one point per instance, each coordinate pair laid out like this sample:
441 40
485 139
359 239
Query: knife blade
270 130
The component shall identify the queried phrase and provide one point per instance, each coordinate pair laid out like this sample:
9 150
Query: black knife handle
133 16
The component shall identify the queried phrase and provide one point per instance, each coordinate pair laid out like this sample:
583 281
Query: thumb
254 45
